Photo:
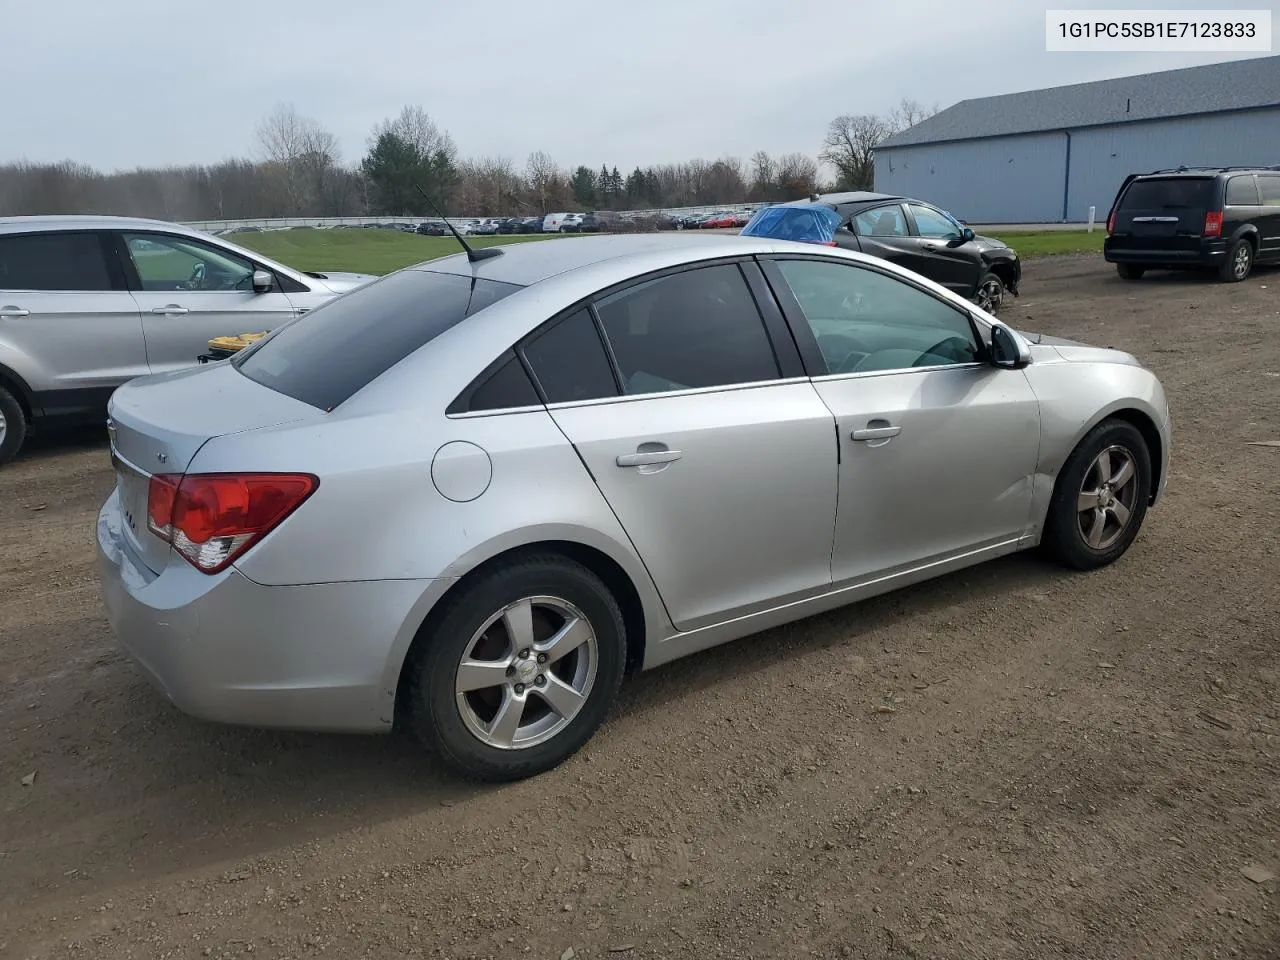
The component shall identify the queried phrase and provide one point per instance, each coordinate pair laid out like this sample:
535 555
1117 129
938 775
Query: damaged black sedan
911 233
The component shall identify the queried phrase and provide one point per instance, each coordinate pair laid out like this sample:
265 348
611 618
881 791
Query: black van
1223 219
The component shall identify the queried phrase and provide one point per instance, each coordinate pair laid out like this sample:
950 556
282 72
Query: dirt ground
1078 766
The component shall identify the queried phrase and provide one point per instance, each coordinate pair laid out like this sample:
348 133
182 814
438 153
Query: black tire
433 714
1064 539
990 293
1130 271
13 433
1239 262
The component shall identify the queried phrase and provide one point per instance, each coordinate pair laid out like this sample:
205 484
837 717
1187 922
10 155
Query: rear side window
697 328
326 356
1173 193
53 261
506 388
812 224
1270 187
569 361
1242 192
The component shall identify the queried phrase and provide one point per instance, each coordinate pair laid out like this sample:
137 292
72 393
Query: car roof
88 222
525 264
1205 172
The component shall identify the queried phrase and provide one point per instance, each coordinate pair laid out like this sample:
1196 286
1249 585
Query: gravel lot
1078 765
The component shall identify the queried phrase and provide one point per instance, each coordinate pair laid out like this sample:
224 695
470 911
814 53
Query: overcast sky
623 82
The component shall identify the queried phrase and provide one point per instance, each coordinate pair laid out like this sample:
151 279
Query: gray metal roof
1217 87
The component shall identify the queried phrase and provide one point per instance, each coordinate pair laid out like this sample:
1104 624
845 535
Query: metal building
1046 156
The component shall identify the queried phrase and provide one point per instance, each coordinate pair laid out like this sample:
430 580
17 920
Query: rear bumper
1208 254
226 649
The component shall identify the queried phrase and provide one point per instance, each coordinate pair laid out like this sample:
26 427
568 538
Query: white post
1092 211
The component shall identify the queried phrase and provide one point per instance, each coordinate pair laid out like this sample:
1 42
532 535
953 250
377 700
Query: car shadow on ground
184 793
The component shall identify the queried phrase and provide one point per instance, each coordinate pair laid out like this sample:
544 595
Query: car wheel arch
636 619
1133 413
14 384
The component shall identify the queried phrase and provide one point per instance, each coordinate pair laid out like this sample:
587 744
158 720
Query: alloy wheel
1105 504
991 295
4 427
1240 265
526 673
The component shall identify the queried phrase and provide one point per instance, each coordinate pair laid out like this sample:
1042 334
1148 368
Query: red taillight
213 518
1111 223
1213 223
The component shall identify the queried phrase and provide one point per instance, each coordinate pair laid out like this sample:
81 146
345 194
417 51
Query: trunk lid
1164 213
157 425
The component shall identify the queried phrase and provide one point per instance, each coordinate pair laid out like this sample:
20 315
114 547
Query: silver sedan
466 499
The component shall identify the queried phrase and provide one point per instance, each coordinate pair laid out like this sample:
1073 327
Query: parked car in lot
592 223
487 227
572 223
433 228
910 233
88 302
466 499
1220 219
720 221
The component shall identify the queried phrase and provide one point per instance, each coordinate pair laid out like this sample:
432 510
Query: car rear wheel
1130 271
1101 497
990 294
1239 262
13 426
519 669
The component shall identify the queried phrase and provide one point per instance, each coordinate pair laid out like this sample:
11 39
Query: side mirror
1008 349
263 281
966 235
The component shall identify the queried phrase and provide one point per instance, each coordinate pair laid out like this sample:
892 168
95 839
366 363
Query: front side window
934 224
815 223
1269 186
867 321
69 262
697 328
324 357
168 262
883 222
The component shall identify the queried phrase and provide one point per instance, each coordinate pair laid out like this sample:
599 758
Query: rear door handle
648 457
12 313
171 310
875 433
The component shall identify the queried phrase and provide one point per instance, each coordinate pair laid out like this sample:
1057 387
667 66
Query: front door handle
875 433
929 246
171 310
648 458
12 313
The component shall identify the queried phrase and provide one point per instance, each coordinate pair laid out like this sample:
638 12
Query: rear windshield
1175 193
814 224
324 357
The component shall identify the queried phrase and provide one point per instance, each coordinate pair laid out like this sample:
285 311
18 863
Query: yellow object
232 344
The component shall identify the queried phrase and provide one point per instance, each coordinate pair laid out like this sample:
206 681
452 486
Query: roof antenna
474 256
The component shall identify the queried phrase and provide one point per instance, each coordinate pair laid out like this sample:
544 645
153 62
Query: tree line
298 171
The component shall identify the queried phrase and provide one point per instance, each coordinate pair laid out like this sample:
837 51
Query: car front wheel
990 294
518 670
13 426
1100 498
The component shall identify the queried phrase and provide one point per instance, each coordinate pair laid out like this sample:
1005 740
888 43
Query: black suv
911 233
1217 218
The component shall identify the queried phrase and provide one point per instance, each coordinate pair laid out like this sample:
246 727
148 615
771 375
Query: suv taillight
213 518
1213 223
1111 223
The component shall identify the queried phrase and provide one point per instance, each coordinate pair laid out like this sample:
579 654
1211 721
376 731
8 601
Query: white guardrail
322 223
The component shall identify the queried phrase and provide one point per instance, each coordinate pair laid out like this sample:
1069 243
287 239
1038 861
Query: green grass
359 250
1047 242
383 251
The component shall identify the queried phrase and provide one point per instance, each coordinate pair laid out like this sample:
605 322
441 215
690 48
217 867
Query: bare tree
797 176
542 174
415 127
303 155
850 145
908 113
